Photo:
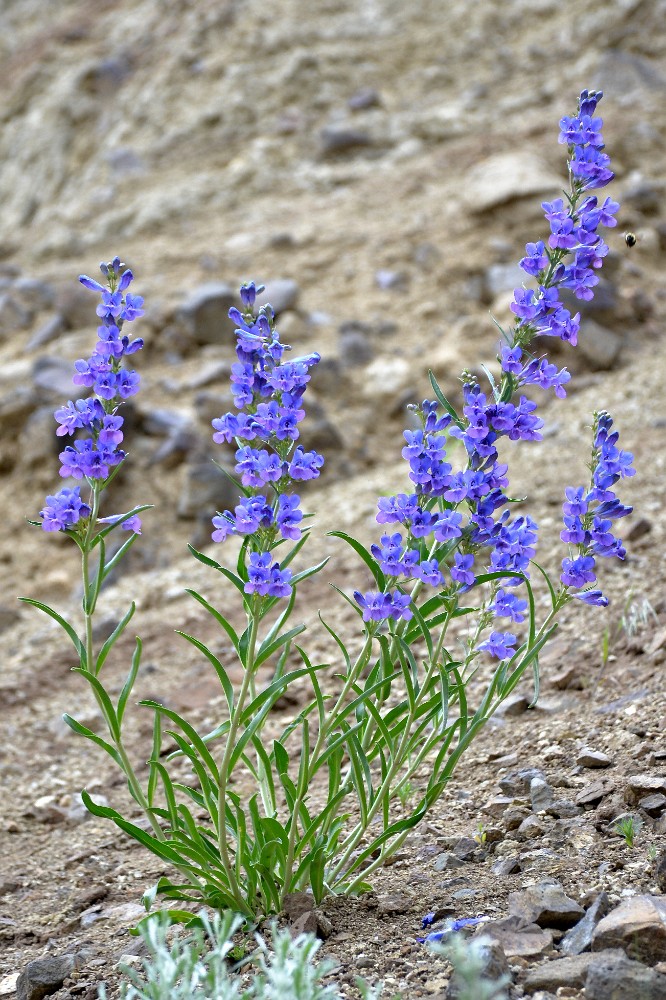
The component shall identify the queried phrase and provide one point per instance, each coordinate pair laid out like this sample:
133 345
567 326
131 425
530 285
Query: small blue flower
499 644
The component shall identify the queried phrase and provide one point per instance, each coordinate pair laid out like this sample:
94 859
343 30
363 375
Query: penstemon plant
379 749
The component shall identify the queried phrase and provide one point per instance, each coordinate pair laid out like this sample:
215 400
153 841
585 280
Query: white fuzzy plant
196 966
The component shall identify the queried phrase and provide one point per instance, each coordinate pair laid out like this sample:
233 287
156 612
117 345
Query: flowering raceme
95 458
268 393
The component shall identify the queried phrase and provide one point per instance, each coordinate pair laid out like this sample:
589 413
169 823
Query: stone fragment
394 903
545 904
448 861
530 828
355 348
498 804
592 758
13 316
564 809
44 976
281 293
640 527
8 984
53 376
391 280
500 278
517 783
206 489
541 794
638 926
514 816
387 379
514 705
297 903
599 346
312 922
563 972
568 678
49 331
336 141
204 314
506 866
506 177
653 805
34 294
364 97
593 793
640 785
620 978
579 938
518 938
465 848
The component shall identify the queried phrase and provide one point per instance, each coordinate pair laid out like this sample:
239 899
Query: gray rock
640 785
545 904
599 346
620 979
638 926
517 783
564 809
76 305
541 794
53 376
204 314
594 792
49 331
653 805
38 442
281 293
571 971
364 97
506 177
465 848
34 294
518 938
660 871
506 866
44 976
530 828
625 73
579 938
514 705
500 278
355 348
206 489
394 903
13 315
334 141
448 861
592 758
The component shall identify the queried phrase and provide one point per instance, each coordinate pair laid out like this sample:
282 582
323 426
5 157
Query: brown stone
638 926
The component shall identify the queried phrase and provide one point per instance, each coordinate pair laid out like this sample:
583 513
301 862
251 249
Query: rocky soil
379 165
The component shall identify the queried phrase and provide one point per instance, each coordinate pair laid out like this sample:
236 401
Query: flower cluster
268 393
452 514
95 456
589 514
571 256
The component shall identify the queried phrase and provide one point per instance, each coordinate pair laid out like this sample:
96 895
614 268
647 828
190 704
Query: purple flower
577 572
447 525
508 605
462 573
400 508
267 579
499 644
305 464
132 523
288 516
63 510
379 607
594 597
429 572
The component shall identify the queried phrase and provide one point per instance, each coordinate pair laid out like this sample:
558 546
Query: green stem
234 724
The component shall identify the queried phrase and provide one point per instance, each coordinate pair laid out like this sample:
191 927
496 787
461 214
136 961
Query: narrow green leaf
191 734
267 650
129 683
219 618
82 730
117 632
118 555
161 848
69 629
104 702
217 665
154 755
108 528
443 400
365 555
